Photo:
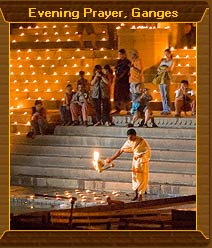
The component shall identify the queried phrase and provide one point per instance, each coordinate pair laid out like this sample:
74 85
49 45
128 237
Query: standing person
165 67
101 96
136 69
65 108
140 164
79 104
38 120
83 81
122 86
185 99
90 31
110 77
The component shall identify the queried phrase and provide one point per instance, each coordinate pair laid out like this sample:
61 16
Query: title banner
103 11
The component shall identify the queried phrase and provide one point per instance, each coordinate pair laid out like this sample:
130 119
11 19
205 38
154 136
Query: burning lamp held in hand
98 164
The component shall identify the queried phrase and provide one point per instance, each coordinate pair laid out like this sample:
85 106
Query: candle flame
96 156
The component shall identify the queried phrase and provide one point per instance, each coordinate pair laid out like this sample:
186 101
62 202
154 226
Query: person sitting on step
141 106
79 105
185 99
38 120
65 108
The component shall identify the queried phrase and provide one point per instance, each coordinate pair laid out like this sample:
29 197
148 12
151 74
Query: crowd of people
126 85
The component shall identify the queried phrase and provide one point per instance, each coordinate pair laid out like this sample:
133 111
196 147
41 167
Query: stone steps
169 155
115 131
61 28
122 164
65 159
120 121
84 65
65 53
87 141
54 38
97 185
109 175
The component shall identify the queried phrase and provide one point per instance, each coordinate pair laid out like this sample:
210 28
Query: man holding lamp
140 164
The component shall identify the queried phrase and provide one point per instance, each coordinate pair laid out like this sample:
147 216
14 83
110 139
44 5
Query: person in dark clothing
189 37
38 120
89 28
83 81
101 96
65 108
122 86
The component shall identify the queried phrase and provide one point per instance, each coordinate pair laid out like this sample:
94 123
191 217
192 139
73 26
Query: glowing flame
96 156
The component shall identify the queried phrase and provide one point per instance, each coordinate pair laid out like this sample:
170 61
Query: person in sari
141 151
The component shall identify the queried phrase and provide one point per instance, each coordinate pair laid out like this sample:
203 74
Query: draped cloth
140 166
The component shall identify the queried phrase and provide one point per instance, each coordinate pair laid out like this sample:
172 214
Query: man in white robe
140 164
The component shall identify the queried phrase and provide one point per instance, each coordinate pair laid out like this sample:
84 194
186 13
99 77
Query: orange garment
136 71
140 164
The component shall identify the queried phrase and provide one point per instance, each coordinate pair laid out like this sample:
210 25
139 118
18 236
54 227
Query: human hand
108 160
35 115
98 74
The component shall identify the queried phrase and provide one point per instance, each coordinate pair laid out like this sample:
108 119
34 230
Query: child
141 106
83 81
38 120
65 109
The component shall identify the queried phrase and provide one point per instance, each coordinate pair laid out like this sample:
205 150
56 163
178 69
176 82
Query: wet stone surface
33 199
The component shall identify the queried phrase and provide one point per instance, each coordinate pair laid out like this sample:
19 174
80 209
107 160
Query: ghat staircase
42 58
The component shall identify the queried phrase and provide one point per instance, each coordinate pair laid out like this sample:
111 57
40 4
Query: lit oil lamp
98 164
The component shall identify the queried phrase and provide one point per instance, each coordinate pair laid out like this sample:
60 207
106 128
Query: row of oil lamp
65 65
68 73
87 196
29 50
